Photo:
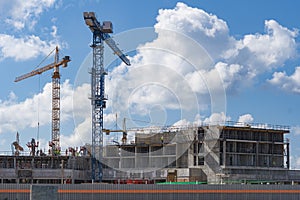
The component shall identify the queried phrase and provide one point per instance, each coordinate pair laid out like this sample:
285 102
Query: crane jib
63 62
111 43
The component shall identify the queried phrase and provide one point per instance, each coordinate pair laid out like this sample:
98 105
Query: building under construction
216 154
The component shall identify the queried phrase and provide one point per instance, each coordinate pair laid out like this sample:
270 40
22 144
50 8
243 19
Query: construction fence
153 191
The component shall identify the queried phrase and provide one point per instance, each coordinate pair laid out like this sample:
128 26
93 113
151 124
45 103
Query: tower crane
55 135
98 100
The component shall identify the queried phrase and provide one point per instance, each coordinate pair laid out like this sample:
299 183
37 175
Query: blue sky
194 61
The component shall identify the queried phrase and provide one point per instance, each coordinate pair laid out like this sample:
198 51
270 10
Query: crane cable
39 92
45 58
38 111
144 121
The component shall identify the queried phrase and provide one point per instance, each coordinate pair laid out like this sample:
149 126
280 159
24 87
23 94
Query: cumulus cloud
217 118
213 119
79 137
204 60
273 48
37 108
285 82
182 122
231 74
135 90
30 46
174 75
247 118
259 53
75 109
207 29
29 109
237 60
25 13
20 15
40 104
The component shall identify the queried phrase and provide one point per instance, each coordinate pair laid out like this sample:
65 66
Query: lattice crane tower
98 99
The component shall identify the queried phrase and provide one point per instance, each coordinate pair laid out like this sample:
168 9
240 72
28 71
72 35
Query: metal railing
258 125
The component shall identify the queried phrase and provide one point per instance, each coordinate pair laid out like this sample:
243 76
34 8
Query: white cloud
80 136
12 97
136 89
182 122
285 82
200 37
186 74
260 53
213 119
273 48
191 19
237 61
217 118
40 104
198 120
25 13
246 118
30 46
10 121
174 75
207 29
232 74
75 106
21 14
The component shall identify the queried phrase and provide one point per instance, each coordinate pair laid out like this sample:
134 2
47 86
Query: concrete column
224 153
256 154
288 155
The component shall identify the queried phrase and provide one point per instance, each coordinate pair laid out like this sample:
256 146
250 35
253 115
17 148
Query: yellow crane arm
63 62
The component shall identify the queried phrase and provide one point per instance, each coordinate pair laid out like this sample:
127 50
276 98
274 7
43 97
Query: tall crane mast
98 98
55 134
